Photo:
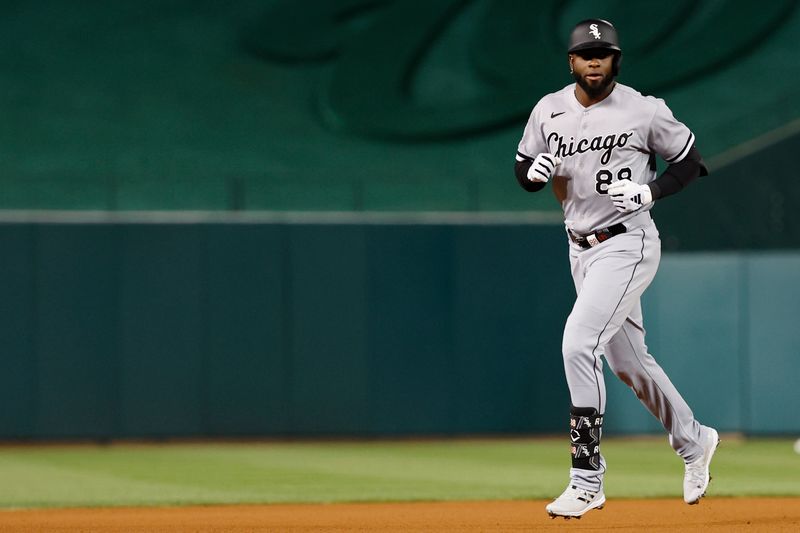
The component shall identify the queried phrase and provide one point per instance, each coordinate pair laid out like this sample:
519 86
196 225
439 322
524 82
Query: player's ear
569 57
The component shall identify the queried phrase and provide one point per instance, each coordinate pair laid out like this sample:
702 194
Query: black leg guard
585 428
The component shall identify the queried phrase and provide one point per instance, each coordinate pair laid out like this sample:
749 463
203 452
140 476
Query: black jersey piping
684 149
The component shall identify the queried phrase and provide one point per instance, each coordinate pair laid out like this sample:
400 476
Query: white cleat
697 476
575 502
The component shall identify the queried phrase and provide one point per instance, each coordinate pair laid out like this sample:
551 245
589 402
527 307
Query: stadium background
275 219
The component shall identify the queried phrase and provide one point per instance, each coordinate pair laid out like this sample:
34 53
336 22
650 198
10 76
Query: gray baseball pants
607 320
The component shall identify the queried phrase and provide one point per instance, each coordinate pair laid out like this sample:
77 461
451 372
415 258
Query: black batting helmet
594 33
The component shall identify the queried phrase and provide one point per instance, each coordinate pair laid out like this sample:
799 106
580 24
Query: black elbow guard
695 157
679 175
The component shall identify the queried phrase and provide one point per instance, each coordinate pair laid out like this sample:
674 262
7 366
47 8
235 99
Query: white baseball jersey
617 138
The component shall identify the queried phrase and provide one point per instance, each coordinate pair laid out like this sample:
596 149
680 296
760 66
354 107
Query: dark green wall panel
19 373
246 331
512 294
163 335
75 297
327 312
409 328
158 330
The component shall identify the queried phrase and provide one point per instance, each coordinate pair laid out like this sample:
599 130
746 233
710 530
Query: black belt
593 239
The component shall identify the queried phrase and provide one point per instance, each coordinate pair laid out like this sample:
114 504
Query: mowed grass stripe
207 473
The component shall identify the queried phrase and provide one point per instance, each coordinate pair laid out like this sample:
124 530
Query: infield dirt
713 514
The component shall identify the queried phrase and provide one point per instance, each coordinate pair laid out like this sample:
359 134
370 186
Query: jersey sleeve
668 137
532 142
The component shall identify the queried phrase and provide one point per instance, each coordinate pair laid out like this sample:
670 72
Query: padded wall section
328 327
158 330
163 327
247 332
76 335
19 370
511 300
694 316
773 291
161 330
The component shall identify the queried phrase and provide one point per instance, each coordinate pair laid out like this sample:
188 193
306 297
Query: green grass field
207 473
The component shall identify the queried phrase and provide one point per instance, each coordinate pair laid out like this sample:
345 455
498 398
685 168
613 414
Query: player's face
592 70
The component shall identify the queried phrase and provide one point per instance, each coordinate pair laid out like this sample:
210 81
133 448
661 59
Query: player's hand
543 167
628 196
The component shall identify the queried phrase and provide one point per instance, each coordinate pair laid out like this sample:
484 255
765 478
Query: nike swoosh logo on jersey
554 115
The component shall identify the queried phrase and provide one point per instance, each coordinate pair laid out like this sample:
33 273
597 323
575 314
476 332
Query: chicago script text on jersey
595 144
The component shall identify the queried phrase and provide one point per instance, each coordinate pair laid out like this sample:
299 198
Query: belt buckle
577 239
592 239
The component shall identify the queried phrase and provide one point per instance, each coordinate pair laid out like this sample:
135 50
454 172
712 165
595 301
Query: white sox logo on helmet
594 30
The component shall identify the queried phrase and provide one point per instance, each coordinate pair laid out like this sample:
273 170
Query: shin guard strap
585 429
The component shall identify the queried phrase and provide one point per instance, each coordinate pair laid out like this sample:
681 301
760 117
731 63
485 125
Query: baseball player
597 140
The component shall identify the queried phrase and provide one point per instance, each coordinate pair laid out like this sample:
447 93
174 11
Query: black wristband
521 172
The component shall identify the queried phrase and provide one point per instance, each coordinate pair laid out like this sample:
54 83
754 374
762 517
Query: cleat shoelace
579 494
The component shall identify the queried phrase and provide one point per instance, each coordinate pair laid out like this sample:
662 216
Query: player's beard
594 90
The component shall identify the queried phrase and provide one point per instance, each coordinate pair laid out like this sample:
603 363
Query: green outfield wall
330 239
286 329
